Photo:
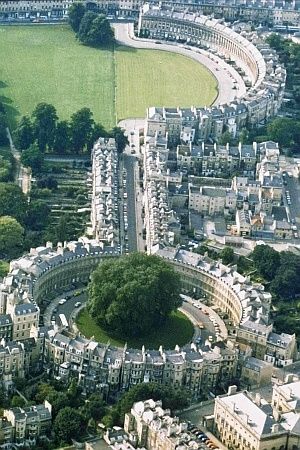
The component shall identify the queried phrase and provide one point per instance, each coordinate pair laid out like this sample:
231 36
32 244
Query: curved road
224 73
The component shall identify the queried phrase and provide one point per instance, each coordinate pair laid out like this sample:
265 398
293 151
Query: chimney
257 399
275 428
289 378
232 389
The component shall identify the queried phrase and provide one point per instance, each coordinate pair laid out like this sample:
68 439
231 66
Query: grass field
47 64
177 330
158 78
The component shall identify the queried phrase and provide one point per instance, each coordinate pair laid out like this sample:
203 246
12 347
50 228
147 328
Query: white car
77 304
62 301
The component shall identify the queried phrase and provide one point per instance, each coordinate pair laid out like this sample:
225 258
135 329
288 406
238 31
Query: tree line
43 132
91 29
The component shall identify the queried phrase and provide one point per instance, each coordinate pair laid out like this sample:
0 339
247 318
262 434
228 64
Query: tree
283 130
12 201
47 183
75 14
172 398
24 134
5 169
37 215
98 131
95 30
3 126
124 290
81 128
4 269
226 138
266 261
65 230
227 255
69 424
17 401
286 283
45 118
33 157
11 235
94 407
120 138
62 137
275 41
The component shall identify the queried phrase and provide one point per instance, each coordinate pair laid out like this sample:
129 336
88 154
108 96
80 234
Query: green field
177 330
158 78
47 64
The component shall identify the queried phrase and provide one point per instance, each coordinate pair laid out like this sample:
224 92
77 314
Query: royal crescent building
252 57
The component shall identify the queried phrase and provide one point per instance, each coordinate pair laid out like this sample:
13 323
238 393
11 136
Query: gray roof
5 319
25 308
258 419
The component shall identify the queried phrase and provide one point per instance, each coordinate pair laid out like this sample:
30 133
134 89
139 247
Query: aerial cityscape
150 224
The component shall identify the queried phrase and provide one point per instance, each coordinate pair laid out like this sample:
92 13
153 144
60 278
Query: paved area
230 83
68 309
131 159
202 317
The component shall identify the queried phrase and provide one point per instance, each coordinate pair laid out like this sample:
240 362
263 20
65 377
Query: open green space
159 78
47 64
178 330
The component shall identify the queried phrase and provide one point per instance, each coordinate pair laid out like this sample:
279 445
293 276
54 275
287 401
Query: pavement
130 161
68 309
192 309
224 73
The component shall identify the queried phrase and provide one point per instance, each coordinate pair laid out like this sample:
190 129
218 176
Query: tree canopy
75 15
11 236
172 398
3 125
285 131
69 424
33 157
12 201
95 30
120 138
24 134
266 261
227 255
134 294
45 118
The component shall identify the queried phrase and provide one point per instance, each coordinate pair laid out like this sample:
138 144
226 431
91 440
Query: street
67 309
130 162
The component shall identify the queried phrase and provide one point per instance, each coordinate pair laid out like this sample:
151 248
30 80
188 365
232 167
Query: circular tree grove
133 295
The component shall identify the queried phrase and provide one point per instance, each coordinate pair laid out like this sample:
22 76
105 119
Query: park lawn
158 78
43 63
178 330
47 64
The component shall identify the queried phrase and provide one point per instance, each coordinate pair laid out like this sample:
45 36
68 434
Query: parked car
77 304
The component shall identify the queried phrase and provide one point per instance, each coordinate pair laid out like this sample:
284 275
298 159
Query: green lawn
177 330
159 78
47 64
